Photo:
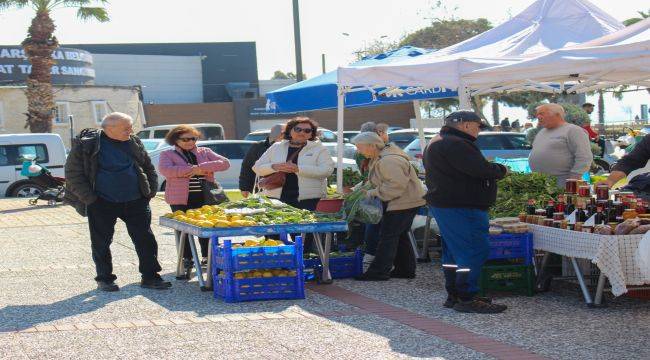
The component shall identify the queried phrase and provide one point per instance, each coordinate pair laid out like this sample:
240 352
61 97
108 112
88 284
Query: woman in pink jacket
184 166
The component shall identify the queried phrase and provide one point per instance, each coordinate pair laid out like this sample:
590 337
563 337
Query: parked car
506 145
404 137
154 144
233 150
394 128
349 150
208 131
47 149
348 135
325 135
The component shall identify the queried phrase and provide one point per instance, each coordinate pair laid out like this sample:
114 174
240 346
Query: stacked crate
341 267
510 265
230 263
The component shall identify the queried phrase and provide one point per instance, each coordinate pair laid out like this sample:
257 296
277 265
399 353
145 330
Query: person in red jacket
593 134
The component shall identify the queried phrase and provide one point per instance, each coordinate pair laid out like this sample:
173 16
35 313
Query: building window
100 109
62 115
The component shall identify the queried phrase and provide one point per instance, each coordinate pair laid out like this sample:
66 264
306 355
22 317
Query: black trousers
193 202
136 214
394 247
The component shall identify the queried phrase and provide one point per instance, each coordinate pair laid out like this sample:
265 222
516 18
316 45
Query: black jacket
457 174
246 174
81 169
636 159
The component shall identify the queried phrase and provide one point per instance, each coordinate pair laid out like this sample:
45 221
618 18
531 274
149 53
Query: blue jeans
465 248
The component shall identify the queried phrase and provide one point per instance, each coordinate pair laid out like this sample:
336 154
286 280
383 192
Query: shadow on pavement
30 208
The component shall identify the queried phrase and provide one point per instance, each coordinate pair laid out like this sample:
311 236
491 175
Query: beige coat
395 180
314 166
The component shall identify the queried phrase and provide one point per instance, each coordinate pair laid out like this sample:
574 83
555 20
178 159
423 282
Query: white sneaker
367 259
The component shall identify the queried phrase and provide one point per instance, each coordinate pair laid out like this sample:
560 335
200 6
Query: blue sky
269 24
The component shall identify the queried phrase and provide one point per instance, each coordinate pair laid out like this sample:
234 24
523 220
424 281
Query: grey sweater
563 152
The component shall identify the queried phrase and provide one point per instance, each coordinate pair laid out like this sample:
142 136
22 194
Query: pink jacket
175 170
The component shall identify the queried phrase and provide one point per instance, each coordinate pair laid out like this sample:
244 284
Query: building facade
87 104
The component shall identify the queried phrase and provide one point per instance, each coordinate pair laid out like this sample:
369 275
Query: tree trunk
495 110
477 106
39 45
601 108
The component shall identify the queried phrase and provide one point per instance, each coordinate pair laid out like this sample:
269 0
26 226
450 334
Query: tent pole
339 139
418 120
465 103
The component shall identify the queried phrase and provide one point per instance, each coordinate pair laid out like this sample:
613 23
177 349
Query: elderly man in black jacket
461 187
246 174
109 176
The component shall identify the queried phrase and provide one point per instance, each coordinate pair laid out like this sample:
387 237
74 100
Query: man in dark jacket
246 174
461 187
109 176
636 159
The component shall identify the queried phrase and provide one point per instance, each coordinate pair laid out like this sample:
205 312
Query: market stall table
184 230
615 256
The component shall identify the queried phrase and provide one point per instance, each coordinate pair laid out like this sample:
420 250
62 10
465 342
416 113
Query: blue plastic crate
227 258
342 267
512 246
237 290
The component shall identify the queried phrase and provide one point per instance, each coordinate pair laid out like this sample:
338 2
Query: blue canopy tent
320 93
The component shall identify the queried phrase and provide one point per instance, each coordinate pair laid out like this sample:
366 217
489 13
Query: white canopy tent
544 26
619 58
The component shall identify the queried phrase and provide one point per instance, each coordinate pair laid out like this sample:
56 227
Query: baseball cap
464 116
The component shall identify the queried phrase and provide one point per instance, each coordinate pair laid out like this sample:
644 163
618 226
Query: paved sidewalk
49 309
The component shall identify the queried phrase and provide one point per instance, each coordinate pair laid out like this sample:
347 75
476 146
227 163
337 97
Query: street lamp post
296 36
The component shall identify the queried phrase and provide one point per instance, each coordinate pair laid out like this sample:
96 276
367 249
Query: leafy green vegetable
516 189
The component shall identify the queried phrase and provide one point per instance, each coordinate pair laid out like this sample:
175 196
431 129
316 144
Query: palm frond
93 13
8 4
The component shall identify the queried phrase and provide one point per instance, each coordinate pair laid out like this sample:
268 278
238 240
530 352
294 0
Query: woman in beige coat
396 184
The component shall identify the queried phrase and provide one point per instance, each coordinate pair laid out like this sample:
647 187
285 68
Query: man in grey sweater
560 149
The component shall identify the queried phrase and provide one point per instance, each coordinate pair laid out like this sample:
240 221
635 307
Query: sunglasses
187 139
305 130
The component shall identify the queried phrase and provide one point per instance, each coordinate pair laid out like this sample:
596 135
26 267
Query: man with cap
462 185
246 174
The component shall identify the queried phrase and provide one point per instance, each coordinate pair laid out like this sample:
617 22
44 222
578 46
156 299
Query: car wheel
27 190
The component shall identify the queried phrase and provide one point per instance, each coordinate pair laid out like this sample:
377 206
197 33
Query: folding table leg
180 249
581 281
327 275
197 261
598 298
323 250
413 242
208 281
423 256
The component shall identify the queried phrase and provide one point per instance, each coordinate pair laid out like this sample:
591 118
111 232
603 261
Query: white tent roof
622 57
545 25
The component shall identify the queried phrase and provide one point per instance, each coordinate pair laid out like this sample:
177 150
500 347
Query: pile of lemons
263 273
211 216
258 243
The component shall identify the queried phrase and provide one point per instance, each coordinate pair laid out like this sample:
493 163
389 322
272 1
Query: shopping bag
370 210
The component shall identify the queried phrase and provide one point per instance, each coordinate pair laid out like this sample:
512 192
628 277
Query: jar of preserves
577 226
602 192
558 216
584 191
629 214
571 186
588 229
522 216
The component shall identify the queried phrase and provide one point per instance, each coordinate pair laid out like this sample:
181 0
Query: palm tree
632 21
39 45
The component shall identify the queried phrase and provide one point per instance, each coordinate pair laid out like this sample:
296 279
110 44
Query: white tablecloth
615 256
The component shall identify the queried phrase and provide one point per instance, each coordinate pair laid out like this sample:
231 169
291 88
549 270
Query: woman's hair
301 120
172 136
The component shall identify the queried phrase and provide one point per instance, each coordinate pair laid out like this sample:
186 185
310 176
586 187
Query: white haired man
109 176
560 149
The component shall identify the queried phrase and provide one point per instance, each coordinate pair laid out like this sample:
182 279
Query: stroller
53 187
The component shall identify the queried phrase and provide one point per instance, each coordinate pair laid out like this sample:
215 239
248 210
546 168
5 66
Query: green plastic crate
519 279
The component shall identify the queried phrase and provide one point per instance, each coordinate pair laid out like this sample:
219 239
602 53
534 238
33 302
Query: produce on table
249 212
516 189
350 178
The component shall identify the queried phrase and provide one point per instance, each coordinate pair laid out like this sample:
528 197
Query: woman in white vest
305 162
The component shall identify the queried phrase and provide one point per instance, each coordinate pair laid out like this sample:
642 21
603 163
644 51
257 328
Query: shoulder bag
213 193
278 178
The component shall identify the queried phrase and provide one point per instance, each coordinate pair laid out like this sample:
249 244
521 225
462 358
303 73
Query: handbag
278 178
213 193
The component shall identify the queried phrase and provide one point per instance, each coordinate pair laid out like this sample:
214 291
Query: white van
209 131
48 149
